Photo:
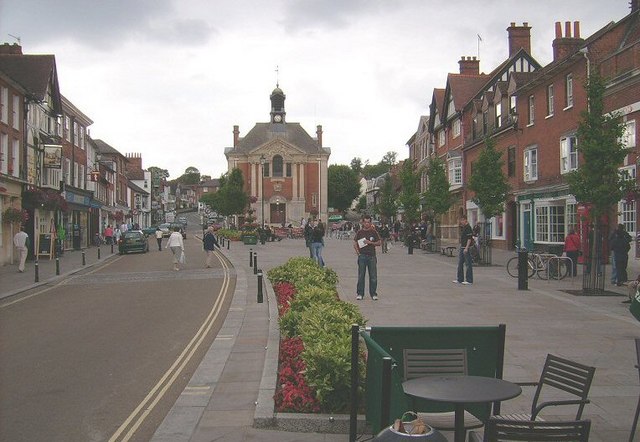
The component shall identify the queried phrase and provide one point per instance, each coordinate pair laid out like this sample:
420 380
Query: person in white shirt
159 238
176 245
21 241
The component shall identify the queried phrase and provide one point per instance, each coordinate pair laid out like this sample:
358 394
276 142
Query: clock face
277 118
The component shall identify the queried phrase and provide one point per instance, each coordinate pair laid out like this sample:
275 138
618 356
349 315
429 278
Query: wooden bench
448 250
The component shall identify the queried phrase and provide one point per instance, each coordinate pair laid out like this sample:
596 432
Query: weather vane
277 76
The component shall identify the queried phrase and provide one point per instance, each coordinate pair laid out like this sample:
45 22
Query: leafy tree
375 170
356 165
343 187
230 199
597 182
361 207
158 174
191 175
387 207
409 196
390 158
191 169
437 198
488 181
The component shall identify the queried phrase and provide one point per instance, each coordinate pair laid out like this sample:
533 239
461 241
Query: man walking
21 241
365 243
464 256
210 243
159 238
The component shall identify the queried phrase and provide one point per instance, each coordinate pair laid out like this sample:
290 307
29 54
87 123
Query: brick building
284 168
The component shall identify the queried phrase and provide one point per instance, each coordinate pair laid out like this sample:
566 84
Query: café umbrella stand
415 429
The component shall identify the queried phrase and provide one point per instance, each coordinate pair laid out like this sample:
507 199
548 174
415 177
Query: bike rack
559 258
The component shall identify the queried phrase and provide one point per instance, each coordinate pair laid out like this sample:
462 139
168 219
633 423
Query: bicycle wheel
558 269
512 267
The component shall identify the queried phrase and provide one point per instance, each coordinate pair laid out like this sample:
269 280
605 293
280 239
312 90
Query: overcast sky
169 78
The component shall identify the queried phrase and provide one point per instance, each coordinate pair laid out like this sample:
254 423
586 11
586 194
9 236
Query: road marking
140 413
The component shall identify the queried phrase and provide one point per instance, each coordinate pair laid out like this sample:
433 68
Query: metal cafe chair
498 430
563 375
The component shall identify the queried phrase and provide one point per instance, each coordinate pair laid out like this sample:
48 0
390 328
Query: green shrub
325 330
229 234
301 302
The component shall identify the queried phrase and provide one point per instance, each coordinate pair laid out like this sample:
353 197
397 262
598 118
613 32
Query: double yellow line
137 417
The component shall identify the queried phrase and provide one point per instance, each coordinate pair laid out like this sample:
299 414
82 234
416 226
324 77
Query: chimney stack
565 45
319 135
519 38
469 65
7 49
236 136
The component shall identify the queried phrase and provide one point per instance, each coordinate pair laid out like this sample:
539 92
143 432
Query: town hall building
284 168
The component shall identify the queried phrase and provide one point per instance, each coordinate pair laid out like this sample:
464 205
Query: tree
356 165
409 197
343 187
191 175
387 207
361 207
158 174
230 199
597 182
437 198
488 181
390 158
375 170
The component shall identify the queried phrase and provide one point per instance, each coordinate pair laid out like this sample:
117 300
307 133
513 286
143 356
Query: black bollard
228 242
57 266
250 257
410 248
260 296
84 259
112 248
523 267
98 252
255 263
37 271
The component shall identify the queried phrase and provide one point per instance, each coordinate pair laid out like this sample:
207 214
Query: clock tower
277 105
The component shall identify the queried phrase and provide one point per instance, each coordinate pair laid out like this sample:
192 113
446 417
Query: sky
169 79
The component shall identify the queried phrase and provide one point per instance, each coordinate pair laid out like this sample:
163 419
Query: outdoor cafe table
461 390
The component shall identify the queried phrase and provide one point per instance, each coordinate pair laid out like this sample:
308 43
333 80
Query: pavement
230 395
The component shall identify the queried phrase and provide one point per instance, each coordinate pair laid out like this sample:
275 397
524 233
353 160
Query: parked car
133 241
180 227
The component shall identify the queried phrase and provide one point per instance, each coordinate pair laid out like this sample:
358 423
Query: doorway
278 212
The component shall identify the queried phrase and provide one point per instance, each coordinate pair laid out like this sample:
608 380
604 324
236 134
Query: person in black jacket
620 245
210 243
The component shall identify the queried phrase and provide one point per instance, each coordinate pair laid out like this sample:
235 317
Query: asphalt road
103 355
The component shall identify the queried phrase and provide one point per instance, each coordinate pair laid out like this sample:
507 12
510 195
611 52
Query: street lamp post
262 161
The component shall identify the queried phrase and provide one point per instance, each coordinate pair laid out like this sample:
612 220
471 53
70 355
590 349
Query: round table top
461 389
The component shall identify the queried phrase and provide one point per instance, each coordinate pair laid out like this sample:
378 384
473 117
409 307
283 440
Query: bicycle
538 263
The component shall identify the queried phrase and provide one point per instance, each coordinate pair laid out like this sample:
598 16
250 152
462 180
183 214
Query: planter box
250 240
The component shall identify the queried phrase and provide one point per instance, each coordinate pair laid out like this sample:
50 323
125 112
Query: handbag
182 259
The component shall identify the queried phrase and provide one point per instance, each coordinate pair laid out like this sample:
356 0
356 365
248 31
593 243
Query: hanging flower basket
12 215
47 199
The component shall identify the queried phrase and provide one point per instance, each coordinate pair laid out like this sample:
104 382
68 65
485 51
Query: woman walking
176 245
317 243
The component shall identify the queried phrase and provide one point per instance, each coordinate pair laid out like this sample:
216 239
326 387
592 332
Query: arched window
277 166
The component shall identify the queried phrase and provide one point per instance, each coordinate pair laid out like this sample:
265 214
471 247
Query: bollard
98 252
228 242
84 259
250 257
410 248
57 266
523 267
112 248
37 270
255 263
260 296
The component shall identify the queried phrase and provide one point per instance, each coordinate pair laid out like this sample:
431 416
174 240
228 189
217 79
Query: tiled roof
292 133
464 87
103 147
33 73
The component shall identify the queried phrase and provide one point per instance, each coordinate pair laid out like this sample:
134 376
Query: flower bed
315 350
